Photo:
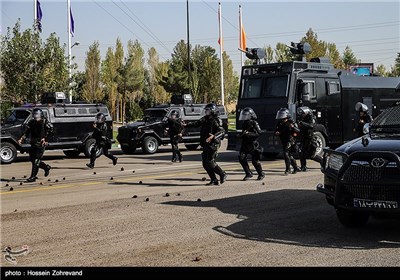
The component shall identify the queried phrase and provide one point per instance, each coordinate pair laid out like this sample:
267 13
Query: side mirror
306 98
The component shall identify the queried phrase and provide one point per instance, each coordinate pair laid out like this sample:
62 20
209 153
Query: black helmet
361 107
247 114
175 113
304 110
100 118
211 109
37 114
283 113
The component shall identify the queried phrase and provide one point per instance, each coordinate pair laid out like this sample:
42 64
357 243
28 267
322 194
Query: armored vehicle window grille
60 112
82 111
93 111
193 111
390 117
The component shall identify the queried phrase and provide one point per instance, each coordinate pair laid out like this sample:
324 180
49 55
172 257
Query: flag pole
240 34
221 53
69 50
35 13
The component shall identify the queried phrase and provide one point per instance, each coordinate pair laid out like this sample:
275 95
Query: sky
370 28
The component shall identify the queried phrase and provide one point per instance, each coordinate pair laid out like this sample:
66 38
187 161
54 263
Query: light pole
70 70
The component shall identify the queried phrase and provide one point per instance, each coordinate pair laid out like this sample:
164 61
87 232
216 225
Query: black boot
46 168
34 172
261 176
213 182
90 165
248 177
114 160
180 157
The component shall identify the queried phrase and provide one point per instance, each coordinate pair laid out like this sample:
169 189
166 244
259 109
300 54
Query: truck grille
361 180
374 192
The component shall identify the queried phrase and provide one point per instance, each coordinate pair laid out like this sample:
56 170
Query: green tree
318 47
177 79
30 67
396 68
269 54
91 90
109 78
282 53
231 80
157 71
119 61
334 56
348 57
381 70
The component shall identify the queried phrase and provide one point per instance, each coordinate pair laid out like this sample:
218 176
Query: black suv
150 133
72 128
362 177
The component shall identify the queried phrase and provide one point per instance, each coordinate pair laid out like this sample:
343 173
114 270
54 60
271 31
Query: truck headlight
334 161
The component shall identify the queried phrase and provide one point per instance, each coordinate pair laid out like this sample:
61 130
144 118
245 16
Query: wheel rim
6 153
319 148
151 146
98 152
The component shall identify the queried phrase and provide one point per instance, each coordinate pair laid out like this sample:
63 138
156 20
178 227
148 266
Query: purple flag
72 27
39 15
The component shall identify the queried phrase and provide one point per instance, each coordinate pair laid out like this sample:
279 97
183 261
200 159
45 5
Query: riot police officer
287 131
39 129
210 139
102 141
175 134
306 124
364 118
250 132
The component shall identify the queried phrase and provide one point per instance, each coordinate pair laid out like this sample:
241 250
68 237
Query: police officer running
287 131
306 124
210 139
250 132
364 118
39 128
102 141
175 128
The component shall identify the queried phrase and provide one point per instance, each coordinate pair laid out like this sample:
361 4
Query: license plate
376 204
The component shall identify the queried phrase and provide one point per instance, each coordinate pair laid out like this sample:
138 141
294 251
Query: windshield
264 87
17 117
388 121
154 115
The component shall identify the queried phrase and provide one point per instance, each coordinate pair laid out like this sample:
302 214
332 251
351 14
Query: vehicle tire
72 153
352 218
8 152
150 145
88 147
192 147
128 149
321 144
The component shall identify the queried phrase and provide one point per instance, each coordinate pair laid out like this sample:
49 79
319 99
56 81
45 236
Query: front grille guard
340 199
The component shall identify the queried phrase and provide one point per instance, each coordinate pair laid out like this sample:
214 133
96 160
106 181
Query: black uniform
307 147
287 132
366 118
210 125
39 131
250 133
174 130
102 142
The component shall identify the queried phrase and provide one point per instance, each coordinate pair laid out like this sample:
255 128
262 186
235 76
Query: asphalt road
94 219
